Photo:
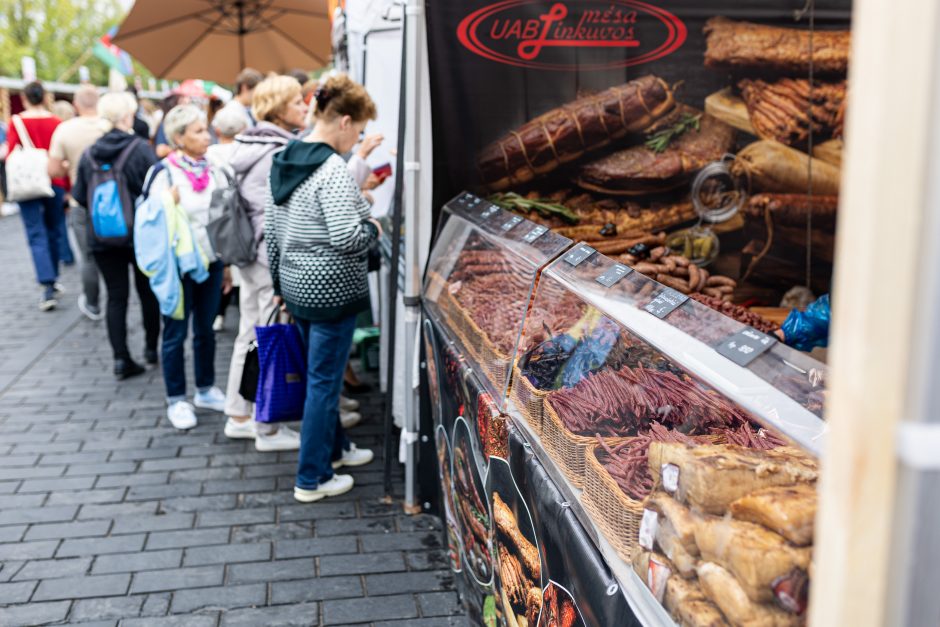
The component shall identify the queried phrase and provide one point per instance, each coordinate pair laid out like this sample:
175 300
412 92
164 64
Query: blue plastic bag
804 330
282 380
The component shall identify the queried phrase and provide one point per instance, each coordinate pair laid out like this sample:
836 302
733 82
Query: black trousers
113 265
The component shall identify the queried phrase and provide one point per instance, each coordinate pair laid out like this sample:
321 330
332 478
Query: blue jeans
322 439
44 220
200 302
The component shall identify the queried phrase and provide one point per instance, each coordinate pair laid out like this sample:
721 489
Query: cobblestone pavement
109 516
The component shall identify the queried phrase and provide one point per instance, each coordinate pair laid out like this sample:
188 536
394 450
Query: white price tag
670 473
648 527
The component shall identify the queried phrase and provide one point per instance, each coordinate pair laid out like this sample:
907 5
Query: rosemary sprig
545 208
660 140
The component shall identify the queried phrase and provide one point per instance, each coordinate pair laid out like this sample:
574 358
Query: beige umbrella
215 39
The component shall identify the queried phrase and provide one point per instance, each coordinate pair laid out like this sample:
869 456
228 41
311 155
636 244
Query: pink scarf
196 170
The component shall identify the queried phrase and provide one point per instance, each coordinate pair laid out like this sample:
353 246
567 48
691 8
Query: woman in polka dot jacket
318 232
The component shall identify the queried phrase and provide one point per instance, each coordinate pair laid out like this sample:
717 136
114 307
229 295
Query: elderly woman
118 111
280 110
191 179
318 233
227 124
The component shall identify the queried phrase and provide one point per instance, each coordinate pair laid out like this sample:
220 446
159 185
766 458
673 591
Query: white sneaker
59 289
348 404
93 314
284 439
349 419
181 415
213 399
354 457
339 484
240 430
218 324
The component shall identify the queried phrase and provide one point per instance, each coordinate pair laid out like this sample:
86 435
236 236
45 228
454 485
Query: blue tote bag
282 370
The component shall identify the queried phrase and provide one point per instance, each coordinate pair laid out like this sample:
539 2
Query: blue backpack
109 201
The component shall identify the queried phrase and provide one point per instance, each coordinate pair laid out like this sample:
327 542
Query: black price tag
534 234
745 346
470 200
614 274
488 210
511 223
666 302
578 254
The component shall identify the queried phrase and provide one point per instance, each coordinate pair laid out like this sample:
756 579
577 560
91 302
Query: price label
614 274
648 526
534 234
578 254
745 346
511 223
666 302
488 210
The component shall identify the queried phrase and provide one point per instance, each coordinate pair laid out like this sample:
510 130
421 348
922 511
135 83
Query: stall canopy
215 40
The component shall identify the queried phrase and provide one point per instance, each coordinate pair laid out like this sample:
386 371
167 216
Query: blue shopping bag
282 380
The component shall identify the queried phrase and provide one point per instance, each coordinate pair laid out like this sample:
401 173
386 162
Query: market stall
622 233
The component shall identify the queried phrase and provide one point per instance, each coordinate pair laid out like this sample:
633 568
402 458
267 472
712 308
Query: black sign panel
666 302
746 345
613 274
578 254
534 234
511 223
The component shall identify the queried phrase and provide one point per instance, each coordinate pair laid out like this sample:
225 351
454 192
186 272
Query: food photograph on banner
636 207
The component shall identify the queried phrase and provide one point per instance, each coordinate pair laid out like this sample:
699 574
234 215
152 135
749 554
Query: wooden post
882 209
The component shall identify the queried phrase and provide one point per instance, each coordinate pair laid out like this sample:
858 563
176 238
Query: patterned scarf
196 170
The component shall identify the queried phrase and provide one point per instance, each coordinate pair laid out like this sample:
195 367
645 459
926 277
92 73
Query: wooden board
775 314
729 109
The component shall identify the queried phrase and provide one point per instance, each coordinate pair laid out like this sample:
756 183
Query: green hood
293 165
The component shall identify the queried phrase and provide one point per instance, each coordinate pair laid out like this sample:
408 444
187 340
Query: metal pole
395 235
414 14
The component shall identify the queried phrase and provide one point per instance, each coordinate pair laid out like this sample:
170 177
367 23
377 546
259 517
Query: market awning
215 39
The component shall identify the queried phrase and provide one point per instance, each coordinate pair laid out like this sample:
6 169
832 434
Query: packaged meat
678 517
669 543
712 477
681 592
790 511
654 569
757 557
700 614
724 591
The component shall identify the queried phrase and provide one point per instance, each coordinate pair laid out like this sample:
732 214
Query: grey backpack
231 234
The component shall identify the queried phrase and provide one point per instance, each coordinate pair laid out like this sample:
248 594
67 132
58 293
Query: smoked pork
790 511
724 591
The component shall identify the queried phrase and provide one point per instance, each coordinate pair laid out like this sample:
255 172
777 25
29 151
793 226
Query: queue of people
305 193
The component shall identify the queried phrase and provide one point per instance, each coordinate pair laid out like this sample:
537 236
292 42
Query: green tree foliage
57 33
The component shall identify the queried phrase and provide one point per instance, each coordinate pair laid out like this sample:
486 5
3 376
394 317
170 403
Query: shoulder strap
125 154
22 132
155 169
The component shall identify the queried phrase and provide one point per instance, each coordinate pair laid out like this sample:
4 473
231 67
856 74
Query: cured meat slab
790 511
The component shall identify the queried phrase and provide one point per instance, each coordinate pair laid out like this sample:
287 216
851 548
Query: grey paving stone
316 511
440 621
47 447
224 450
104 468
61 483
175 463
312 547
270 533
30 472
73 458
51 569
368 609
177 579
428 560
9 568
419 522
420 581
440 604
116 510
137 479
301 615
157 604
223 598
101 546
135 454
37 514
176 539
227 554
200 503
12 533
415 541
82 587
69 530
131 562
149 492
14 501
269 470
206 474
359 564
108 607
162 522
34 614
237 457
28 550
99 623
358 525
266 499
239 485
207 620
84 497
280 570
236 517
18 460
16 592
315 589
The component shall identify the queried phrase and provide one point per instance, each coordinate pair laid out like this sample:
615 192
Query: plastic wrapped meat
723 589
790 511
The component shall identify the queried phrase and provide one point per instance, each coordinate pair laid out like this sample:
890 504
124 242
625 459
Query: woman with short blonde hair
272 97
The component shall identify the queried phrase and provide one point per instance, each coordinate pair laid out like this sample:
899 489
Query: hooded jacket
106 150
317 234
251 162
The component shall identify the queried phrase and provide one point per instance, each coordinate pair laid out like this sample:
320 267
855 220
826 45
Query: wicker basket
528 400
617 515
567 449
